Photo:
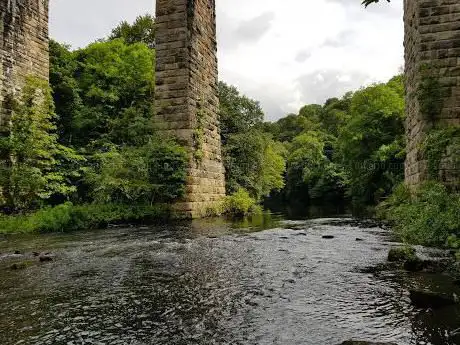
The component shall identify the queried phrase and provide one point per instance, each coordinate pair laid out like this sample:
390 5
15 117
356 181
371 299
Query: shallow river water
214 282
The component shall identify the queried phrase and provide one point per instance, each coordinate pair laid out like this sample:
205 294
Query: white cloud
283 53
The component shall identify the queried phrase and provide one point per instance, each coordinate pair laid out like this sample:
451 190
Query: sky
283 53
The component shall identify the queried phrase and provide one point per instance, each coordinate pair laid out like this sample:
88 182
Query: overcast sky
284 53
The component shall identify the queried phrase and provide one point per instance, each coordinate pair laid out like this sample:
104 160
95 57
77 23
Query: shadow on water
297 210
261 280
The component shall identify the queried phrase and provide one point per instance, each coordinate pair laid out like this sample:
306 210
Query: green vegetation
369 2
82 152
240 203
401 254
429 94
429 215
253 160
35 167
371 145
68 217
435 146
347 149
141 31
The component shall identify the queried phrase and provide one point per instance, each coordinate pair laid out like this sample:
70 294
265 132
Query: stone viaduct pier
432 54
186 81
23 49
186 94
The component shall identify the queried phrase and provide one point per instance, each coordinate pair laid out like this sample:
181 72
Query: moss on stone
399 254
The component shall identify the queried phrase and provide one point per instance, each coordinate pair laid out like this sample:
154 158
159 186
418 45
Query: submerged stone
428 299
46 258
20 265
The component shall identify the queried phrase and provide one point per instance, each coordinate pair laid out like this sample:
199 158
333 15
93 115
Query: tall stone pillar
186 95
23 49
432 52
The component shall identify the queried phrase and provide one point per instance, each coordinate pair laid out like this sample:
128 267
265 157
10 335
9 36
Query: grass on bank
68 217
428 216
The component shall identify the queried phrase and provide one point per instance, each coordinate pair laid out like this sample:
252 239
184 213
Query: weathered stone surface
432 39
186 95
23 49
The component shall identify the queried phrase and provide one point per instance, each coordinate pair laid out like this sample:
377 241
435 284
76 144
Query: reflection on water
301 210
259 281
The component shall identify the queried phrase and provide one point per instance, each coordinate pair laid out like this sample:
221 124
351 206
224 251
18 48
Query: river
214 282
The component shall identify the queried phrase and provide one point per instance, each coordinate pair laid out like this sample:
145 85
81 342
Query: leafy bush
153 173
428 215
68 217
240 203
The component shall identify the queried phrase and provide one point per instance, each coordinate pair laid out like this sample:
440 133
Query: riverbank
427 216
68 217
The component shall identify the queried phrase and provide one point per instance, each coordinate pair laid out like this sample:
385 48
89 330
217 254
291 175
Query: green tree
287 128
238 113
311 174
31 152
143 30
116 84
335 114
252 159
255 162
371 145
66 93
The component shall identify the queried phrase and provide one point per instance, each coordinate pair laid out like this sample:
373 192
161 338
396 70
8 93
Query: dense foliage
88 139
253 160
429 215
352 147
371 145
103 93
35 167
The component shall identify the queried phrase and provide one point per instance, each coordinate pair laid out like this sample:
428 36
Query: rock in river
428 299
46 258
414 264
401 254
